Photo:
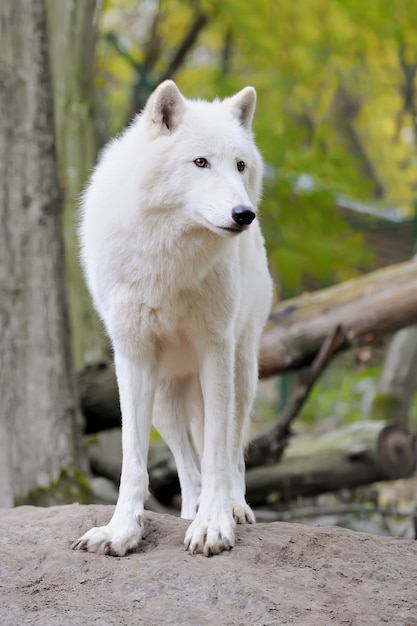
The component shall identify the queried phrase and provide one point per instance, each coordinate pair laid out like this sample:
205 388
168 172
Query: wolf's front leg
212 530
137 383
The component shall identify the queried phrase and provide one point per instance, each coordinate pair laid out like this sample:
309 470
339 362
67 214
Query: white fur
184 302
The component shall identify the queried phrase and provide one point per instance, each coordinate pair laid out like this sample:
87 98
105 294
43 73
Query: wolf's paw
210 536
243 514
109 540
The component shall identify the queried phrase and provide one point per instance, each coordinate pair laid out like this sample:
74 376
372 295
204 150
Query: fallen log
365 308
269 445
357 454
97 386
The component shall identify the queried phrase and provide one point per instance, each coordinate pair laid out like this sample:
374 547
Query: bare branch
200 21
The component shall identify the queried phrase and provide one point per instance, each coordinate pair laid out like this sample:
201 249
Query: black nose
243 215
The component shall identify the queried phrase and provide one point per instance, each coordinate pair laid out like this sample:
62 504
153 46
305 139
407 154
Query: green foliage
343 395
340 394
383 406
335 88
308 238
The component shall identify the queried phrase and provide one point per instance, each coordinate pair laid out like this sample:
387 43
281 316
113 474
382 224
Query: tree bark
72 37
40 422
358 454
366 308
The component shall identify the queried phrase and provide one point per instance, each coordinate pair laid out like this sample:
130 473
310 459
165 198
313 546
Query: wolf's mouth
236 229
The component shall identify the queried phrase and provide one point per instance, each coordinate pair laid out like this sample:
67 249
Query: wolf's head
203 163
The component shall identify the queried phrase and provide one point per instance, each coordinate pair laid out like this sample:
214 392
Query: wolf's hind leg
174 409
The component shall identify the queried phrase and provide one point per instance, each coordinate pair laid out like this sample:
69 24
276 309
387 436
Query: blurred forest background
336 123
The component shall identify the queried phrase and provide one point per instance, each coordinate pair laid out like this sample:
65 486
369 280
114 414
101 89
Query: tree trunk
398 380
39 419
71 29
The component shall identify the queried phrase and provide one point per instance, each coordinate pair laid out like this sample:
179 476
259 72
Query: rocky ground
278 573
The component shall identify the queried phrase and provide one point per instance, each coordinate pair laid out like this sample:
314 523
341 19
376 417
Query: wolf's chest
177 357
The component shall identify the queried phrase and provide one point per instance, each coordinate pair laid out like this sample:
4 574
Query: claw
78 545
243 515
226 543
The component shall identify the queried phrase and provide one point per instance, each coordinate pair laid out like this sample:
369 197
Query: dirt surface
277 574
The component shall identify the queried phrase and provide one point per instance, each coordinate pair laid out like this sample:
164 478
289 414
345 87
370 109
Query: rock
278 573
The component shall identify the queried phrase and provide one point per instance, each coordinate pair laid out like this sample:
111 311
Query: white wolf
175 261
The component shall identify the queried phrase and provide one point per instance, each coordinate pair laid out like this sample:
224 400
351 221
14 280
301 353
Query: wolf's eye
241 165
201 162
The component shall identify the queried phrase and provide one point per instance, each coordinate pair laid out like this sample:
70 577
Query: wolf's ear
165 106
243 105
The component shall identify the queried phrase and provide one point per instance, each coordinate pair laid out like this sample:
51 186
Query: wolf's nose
243 215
